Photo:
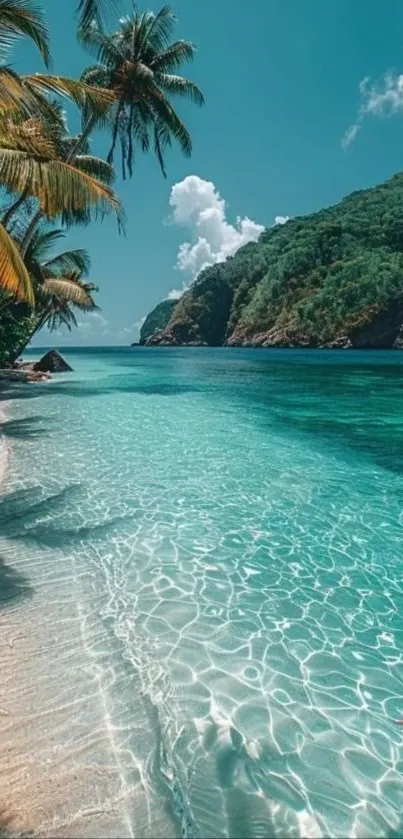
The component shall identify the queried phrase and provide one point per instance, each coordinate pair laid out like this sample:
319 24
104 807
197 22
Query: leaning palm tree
25 166
138 64
59 284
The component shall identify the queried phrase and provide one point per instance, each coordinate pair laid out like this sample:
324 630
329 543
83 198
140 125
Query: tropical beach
192 633
201 478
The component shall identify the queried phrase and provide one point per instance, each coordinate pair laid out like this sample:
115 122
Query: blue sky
281 81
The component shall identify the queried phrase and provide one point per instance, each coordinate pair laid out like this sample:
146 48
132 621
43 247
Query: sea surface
201 595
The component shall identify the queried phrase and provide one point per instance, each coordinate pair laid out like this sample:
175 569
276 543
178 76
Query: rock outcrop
52 362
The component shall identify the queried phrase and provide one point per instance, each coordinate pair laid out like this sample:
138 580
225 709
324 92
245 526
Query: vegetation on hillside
157 319
335 277
49 177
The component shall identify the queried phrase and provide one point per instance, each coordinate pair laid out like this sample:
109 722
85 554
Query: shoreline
4 451
66 768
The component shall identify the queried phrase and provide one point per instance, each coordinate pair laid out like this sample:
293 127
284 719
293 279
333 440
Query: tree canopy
324 279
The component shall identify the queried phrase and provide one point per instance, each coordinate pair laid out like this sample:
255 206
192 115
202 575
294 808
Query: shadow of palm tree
13 585
47 536
21 507
25 428
20 510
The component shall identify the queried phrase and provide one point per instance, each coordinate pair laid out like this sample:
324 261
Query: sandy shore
3 452
68 768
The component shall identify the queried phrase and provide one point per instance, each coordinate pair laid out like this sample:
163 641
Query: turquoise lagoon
207 551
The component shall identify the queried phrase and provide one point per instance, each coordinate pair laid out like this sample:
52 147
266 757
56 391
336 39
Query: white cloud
176 293
384 99
281 219
198 205
350 135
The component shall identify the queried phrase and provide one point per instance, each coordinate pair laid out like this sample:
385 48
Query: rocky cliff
332 279
158 319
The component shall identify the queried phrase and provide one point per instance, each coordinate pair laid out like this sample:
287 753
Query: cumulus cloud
281 219
176 293
198 205
382 99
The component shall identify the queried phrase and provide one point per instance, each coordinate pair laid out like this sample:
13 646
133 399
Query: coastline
4 452
66 769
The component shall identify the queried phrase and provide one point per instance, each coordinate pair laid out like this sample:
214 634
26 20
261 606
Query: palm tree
59 284
28 164
16 18
138 63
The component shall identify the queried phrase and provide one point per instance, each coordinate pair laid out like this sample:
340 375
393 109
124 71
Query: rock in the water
52 362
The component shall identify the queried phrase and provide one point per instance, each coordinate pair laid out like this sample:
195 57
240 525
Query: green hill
157 319
334 278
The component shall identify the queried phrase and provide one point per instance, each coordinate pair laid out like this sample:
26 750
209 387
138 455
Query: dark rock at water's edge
52 362
163 338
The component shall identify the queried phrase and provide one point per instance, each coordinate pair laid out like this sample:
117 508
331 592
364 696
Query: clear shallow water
225 530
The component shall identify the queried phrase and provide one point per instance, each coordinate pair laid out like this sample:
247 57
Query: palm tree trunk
82 139
14 208
31 229
38 325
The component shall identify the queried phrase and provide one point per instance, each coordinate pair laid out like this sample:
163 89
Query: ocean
201 595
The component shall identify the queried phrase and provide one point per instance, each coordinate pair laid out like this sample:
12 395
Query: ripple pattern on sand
238 594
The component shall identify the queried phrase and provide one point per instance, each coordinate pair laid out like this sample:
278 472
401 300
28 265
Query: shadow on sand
23 506
21 509
13 585
26 428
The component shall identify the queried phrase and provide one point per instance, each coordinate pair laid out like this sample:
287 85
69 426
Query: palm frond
27 136
69 262
97 167
68 290
42 244
173 56
23 17
78 91
12 93
164 112
61 317
181 87
154 30
57 185
93 11
14 277
104 47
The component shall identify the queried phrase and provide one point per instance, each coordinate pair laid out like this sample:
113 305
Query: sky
304 104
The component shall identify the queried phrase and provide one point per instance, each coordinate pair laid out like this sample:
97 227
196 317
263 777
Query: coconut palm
28 164
59 284
138 63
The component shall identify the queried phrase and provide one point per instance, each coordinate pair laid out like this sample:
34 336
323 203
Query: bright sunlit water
207 547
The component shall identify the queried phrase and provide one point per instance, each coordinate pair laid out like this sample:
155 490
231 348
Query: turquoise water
226 528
